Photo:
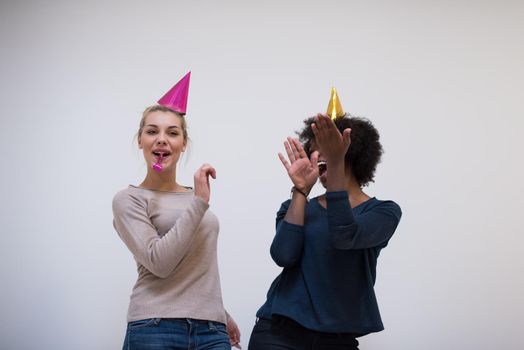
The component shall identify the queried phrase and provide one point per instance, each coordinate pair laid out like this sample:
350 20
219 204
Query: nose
161 139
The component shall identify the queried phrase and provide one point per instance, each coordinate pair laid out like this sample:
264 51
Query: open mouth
161 154
322 167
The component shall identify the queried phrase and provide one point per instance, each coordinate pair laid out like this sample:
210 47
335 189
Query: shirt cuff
338 195
200 203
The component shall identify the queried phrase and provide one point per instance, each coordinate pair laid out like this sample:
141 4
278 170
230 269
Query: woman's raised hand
201 178
302 171
331 143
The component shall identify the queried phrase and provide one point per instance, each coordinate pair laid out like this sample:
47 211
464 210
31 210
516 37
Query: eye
151 132
174 133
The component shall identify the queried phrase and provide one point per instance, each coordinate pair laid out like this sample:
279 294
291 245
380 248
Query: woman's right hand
302 171
201 178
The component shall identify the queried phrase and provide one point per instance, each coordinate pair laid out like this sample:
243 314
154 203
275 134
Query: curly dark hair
365 150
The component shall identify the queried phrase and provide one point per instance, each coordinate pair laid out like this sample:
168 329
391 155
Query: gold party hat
334 108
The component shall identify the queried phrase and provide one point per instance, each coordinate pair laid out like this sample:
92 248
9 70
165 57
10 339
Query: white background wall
442 80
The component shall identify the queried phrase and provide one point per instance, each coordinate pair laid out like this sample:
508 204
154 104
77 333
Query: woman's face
162 139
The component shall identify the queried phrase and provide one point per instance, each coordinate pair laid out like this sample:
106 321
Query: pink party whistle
158 165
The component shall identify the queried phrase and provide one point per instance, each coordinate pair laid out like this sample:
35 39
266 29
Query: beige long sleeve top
173 238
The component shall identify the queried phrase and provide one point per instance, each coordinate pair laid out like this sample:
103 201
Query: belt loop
212 326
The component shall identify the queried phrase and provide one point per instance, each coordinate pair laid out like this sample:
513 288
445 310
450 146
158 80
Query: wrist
305 194
337 160
203 197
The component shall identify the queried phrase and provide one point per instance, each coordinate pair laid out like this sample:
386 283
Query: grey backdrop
442 80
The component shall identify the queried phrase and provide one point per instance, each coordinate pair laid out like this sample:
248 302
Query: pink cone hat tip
176 97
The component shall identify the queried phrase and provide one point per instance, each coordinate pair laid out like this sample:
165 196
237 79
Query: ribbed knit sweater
173 238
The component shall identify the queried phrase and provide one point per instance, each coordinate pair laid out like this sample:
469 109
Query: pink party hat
176 98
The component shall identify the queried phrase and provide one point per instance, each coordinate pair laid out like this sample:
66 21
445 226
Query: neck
163 181
356 195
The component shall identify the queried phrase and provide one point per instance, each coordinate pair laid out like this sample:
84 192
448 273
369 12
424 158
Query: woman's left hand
331 143
234 333
201 181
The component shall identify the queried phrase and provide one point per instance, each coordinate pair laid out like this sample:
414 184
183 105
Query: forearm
158 253
336 176
165 252
288 243
295 212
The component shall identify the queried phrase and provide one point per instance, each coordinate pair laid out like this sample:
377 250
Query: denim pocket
148 322
218 328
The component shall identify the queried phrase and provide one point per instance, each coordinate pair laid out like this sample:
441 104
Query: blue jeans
176 334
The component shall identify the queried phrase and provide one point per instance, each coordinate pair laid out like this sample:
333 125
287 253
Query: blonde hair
159 108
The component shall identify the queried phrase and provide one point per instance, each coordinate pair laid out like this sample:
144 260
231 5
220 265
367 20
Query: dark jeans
176 334
284 333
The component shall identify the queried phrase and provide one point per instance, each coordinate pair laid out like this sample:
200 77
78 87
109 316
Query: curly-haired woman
328 246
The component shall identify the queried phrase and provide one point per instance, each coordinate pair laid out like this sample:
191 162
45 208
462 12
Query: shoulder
130 196
387 203
386 206
127 193
285 205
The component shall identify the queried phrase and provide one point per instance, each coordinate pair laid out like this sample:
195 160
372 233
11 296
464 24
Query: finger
321 125
330 128
289 152
207 170
319 120
300 149
292 143
314 163
201 173
212 172
330 124
346 137
322 133
314 128
284 161
327 122
314 159
203 168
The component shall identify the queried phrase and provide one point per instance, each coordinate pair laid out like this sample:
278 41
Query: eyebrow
169 127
